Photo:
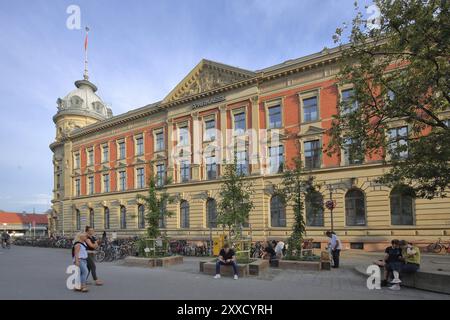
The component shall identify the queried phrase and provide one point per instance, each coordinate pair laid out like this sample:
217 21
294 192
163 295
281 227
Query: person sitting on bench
227 257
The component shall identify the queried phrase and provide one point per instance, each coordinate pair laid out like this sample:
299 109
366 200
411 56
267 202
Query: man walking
335 246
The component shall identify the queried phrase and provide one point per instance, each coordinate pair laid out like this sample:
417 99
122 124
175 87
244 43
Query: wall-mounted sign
208 102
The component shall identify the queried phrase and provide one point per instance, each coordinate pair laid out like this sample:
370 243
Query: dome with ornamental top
83 101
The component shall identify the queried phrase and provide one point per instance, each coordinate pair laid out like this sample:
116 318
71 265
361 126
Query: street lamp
343 184
330 205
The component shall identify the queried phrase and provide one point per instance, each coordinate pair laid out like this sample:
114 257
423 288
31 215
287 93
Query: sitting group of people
401 257
274 250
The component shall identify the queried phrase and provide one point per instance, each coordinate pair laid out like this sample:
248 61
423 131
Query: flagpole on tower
85 75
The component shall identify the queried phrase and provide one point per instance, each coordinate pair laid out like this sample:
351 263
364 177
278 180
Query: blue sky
138 51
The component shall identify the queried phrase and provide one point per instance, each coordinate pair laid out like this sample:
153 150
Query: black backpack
73 247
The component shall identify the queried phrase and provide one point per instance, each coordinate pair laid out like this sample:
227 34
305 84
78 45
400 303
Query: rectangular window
310 109
121 150
106 183
312 154
211 168
77 161
239 123
91 185
90 157
77 187
398 142
139 146
275 117
105 153
185 171
160 174
140 178
159 141
349 105
242 163
353 152
183 138
210 130
122 180
276 157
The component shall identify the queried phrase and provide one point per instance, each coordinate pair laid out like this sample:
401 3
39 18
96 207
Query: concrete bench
153 262
210 268
435 281
299 265
257 267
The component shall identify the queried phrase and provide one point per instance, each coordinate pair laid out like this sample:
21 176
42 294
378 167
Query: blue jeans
84 272
410 268
233 264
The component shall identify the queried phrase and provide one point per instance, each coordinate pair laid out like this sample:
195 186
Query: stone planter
153 262
299 265
254 268
257 267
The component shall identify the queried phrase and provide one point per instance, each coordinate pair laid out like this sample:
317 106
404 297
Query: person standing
92 244
79 257
227 257
335 246
279 247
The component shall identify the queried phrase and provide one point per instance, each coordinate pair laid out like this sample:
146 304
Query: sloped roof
22 218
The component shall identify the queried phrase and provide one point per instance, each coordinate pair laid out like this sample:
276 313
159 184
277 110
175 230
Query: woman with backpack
80 255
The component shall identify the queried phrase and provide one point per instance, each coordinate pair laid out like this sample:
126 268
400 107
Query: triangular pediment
312 130
206 76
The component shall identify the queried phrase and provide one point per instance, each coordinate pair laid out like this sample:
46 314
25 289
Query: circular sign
330 204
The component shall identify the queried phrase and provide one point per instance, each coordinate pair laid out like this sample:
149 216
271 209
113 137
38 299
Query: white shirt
334 239
279 247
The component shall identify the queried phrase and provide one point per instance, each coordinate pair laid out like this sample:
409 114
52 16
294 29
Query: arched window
355 208
78 219
91 218
184 214
162 217
402 203
277 212
141 216
123 217
106 217
314 209
211 213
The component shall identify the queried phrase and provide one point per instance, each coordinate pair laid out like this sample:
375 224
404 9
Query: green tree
399 66
155 203
235 204
292 190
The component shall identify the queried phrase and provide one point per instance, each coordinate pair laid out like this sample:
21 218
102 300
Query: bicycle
438 246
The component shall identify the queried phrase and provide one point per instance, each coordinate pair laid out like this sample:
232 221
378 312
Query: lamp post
331 204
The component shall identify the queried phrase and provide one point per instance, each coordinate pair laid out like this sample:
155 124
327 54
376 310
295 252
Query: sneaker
217 276
395 287
396 281
236 277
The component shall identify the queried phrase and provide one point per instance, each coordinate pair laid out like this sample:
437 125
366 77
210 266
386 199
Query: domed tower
81 107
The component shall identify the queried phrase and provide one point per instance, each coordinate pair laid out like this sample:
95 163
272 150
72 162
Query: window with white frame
160 174
183 136
210 129
185 170
105 155
76 161
242 162
239 123
121 149
159 141
90 156
106 182
276 159
122 180
310 109
353 151
312 151
139 145
349 103
77 187
275 117
398 142
211 167
140 178
91 185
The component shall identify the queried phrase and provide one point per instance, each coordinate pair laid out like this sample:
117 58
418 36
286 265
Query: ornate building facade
264 118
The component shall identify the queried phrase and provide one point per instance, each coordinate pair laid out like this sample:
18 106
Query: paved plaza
39 273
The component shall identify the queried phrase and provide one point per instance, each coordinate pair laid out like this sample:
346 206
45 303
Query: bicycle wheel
435 248
99 256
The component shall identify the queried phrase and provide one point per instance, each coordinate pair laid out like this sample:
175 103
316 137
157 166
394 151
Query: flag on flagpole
86 39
